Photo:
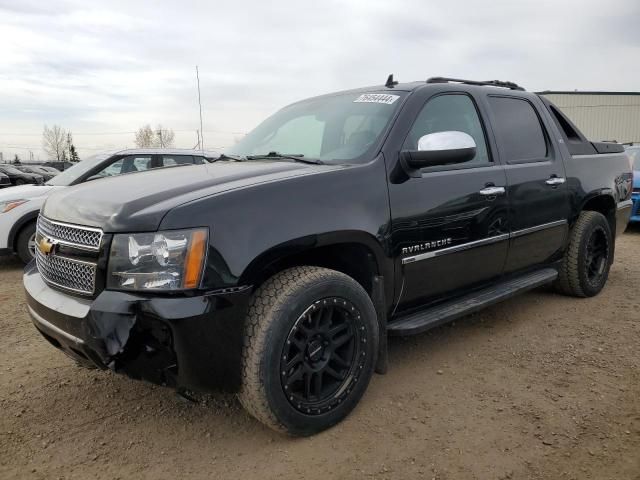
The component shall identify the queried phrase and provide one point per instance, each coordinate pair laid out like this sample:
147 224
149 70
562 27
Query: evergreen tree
70 152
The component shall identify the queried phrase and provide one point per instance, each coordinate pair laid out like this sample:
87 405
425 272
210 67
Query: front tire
585 267
310 350
26 243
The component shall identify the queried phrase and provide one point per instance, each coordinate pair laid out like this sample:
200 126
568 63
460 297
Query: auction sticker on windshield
376 98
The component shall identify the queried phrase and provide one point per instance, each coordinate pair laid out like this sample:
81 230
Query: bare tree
161 137
145 137
164 137
54 142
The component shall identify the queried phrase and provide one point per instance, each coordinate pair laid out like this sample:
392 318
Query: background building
601 115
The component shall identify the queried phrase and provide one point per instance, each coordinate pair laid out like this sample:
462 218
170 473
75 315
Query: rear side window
170 160
518 129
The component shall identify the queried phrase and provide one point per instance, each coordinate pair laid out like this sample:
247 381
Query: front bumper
192 342
635 209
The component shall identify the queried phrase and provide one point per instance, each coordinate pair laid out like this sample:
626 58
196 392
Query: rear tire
310 349
26 243
585 267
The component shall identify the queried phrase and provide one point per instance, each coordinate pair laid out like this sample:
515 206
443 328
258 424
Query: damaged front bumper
192 342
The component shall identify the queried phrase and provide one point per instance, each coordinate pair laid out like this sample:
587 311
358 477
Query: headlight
170 260
11 204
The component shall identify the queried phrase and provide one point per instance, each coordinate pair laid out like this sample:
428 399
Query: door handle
555 181
492 191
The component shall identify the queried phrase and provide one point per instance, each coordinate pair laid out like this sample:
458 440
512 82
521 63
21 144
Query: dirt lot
542 386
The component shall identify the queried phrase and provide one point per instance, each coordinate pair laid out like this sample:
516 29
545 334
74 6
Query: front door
536 184
449 226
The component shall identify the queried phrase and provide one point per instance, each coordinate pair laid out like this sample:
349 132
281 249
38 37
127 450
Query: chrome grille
67 273
84 237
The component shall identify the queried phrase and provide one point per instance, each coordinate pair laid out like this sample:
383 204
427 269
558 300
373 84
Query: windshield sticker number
376 98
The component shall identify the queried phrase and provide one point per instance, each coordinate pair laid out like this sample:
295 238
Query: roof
578 92
420 84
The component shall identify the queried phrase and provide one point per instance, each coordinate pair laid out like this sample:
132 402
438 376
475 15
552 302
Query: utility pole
201 139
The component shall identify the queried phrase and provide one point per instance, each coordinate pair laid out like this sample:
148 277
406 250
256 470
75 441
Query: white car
20 205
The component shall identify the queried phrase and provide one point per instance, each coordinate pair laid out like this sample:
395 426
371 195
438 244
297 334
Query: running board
424 320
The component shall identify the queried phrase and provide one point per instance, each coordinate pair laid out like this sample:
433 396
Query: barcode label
376 98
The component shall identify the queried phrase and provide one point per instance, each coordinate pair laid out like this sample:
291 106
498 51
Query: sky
103 69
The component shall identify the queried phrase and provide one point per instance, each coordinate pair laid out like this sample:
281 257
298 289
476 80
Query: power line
115 133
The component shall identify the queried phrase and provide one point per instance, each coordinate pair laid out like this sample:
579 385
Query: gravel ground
542 386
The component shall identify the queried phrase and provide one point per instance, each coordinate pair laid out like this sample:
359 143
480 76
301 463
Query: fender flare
276 253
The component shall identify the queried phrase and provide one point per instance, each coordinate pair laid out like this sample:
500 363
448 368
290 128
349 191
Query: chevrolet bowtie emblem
46 246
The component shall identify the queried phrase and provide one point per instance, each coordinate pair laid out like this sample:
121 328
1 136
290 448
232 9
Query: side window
170 160
518 129
114 169
452 112
136 163
132 163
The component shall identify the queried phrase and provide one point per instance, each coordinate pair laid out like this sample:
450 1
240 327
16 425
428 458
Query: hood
21 192
138 202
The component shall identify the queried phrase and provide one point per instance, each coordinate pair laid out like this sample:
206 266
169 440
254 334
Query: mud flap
380 304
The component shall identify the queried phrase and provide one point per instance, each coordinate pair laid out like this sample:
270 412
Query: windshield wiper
235 158
296 157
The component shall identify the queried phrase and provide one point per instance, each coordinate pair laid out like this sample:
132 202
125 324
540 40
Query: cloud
104 71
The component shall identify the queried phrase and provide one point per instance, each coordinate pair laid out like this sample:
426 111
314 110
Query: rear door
536 183
449 226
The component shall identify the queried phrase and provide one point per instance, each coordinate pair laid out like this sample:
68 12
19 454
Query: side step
422 321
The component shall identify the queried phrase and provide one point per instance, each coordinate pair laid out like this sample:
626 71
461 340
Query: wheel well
18 229
606 206
352 259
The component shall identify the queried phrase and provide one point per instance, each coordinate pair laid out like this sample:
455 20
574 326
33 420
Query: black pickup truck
279 270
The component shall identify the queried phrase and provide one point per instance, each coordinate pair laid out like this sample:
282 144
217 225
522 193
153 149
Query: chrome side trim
625 204
537 228
483 242
455 248
37 319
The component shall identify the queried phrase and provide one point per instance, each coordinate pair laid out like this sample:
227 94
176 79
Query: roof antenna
390 82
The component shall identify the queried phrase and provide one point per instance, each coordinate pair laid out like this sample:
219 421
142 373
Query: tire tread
268 302
568 281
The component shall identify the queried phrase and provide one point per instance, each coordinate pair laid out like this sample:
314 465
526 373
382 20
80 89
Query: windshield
71 174
339 127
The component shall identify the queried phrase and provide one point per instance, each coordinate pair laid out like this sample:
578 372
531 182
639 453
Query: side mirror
440 148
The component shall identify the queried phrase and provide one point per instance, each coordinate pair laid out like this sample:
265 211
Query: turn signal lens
195 259
10 205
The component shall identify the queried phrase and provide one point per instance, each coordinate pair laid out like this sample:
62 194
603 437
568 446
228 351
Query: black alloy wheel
323 355
585 267
311 342
597 255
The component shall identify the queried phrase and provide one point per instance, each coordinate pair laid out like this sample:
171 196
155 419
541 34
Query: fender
380 265
17 226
